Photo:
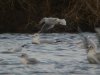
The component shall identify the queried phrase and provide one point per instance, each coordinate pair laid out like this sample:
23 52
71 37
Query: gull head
62 21
23 55
91 49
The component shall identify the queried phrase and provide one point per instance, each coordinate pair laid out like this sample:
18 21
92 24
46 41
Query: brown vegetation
24 15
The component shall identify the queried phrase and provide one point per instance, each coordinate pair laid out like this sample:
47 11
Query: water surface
65 57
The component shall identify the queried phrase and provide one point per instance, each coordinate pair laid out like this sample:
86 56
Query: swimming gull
26 60
13 50
92 56
36 38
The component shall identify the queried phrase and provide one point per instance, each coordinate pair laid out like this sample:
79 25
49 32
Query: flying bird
50 22
47 23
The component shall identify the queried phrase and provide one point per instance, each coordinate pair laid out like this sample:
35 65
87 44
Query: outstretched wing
42 21
48 23
46 27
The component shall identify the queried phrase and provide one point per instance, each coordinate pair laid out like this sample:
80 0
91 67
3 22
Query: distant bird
17 49
36 38
50 22
26 60
13 50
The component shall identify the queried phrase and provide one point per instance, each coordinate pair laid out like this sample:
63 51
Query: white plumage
26 60
36 38
50 22
92 56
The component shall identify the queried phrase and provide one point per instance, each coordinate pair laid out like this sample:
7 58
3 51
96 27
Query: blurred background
23 16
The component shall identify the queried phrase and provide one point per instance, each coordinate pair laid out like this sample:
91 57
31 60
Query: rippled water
66 57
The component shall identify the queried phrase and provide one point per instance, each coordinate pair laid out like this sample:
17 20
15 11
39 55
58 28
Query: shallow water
67 57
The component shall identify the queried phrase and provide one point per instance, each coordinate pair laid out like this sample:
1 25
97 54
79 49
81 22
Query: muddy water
65 57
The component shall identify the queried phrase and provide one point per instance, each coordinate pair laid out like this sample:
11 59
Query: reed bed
24 15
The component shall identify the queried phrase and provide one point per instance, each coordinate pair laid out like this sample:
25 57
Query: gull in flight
48 23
